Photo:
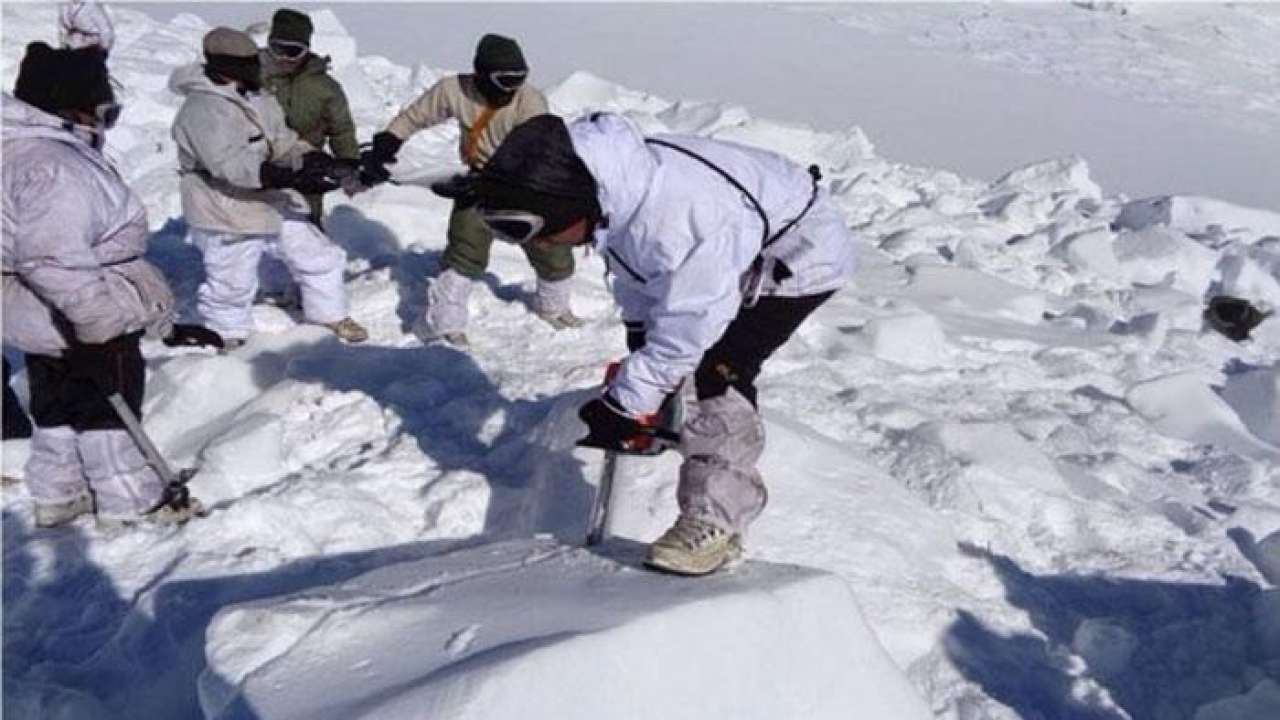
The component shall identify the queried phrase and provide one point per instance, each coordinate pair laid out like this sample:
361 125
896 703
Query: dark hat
495 52
291 26
536 169
1233 316
63 79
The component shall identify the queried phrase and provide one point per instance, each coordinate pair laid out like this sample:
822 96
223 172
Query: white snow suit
223 138
84 23
681 242
74 236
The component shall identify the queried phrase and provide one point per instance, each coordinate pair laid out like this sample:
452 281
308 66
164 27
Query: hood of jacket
189 80
22 121
614 150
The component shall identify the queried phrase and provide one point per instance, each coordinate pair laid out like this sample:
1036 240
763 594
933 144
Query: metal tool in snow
657 438
175 492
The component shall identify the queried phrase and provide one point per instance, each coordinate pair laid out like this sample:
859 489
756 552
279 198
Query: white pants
65 464
721 445
225 298
449 291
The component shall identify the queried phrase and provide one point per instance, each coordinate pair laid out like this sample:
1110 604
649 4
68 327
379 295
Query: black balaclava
62 80
497 53
537 170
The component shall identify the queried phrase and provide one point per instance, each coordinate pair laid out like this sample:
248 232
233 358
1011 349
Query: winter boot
50 515
693 547
551 303
562 321
348 330
161 516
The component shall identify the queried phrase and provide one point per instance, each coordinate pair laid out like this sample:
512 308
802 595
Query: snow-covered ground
1005 464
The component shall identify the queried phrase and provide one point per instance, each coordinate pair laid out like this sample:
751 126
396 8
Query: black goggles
107 114
508 80
286 49
514 226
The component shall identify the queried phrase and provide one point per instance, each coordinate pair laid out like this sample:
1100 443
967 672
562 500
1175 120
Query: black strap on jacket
766 239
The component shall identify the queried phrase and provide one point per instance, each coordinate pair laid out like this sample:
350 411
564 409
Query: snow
1011 475
455 637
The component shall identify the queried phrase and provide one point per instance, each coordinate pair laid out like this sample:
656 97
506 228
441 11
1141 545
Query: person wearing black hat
717 253
313 101
487 104
78 292
240 165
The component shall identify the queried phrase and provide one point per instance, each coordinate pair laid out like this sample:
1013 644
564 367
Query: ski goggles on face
286 50
514 226
508 80
107 114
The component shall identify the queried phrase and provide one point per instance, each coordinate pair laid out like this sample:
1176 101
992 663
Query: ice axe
175 493
656 438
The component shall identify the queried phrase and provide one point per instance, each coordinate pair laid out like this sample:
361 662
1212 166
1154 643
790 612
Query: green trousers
469 241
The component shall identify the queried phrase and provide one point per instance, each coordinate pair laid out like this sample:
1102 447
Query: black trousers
72 390
737 357
16 423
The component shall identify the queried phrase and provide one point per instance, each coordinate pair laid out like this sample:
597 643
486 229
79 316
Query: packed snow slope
1163 97
1008 446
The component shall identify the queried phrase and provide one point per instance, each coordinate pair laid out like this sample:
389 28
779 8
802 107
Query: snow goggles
286 49
513 226
508 80
107 114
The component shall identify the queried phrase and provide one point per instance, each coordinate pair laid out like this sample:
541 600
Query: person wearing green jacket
315 106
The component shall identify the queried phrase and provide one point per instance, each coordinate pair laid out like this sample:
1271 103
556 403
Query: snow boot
348 330
51 515
694 547
562 321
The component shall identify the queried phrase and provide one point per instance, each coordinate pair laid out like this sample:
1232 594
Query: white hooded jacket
74 236
223 138
680 241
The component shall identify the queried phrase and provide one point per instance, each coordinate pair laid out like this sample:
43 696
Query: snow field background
1048 490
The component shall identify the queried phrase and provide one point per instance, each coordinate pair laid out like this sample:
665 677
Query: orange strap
471 151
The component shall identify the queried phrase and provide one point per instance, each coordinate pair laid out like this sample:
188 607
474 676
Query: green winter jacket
314 104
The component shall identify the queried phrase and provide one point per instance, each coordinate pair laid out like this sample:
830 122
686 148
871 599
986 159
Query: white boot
694 547
446 315
551 303
50 515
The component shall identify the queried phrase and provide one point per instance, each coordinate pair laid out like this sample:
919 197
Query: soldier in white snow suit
84 23
241 171
487 104
717 253
78 294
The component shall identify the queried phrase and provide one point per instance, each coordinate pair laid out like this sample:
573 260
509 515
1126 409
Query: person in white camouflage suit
717 253
243 173
78 293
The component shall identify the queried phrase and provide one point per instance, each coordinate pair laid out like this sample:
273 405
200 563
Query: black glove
194 336
344 168
385 147
373 161
635 335
317 175
274 176
608 427
461 189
